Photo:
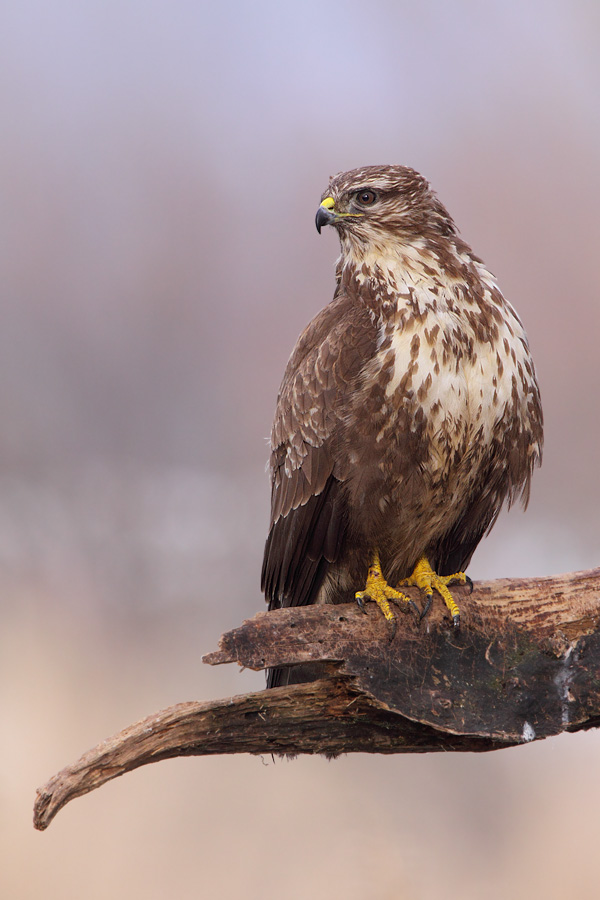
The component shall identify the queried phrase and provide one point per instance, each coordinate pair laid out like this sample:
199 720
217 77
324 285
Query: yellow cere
329 203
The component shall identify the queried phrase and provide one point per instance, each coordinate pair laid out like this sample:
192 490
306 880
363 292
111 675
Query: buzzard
409 411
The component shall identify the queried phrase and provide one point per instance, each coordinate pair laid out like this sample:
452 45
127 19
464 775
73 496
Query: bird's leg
427 580
378 590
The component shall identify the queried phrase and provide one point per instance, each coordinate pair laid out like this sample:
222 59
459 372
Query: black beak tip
323 217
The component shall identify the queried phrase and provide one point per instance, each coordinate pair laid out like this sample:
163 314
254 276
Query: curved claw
469 581
393 626
361 604
415 609
426 607
456 621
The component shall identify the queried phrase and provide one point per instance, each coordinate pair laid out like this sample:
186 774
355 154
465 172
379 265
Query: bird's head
376 205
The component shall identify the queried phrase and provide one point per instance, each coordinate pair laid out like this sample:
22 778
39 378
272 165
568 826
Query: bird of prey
409 411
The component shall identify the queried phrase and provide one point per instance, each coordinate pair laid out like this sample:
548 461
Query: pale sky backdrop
160 169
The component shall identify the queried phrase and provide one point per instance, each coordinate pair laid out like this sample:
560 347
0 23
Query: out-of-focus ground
160 169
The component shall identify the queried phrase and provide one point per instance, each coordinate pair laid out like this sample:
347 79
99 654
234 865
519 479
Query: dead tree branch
524 665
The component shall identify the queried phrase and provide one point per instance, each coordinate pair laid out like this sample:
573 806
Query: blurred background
160 168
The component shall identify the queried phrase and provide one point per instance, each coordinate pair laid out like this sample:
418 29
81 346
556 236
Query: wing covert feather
308 509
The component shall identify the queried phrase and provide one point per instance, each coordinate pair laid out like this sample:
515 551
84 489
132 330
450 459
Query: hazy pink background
160 168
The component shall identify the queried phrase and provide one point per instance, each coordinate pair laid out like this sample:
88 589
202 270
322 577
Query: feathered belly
419 444
444 420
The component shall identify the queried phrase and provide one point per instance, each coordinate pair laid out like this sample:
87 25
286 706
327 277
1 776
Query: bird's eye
366 198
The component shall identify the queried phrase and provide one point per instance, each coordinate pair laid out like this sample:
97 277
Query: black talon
427 607
456 620
415 608
470 583
393 627
361 605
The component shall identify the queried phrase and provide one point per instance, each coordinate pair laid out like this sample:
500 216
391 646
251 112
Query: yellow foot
427 580
378 590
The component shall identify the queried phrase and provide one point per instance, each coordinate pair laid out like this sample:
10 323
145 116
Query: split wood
524 665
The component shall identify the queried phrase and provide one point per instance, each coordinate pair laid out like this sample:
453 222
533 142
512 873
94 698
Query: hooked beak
325 213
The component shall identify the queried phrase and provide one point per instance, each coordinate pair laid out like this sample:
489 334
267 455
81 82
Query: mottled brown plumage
409 411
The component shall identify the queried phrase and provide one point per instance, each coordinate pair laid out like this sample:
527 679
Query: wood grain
524 665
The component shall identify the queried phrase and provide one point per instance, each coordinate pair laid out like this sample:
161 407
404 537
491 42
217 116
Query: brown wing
309 514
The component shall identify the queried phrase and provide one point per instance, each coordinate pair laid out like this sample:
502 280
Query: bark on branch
524 665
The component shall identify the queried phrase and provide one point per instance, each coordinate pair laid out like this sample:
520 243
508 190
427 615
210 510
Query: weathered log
524 665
